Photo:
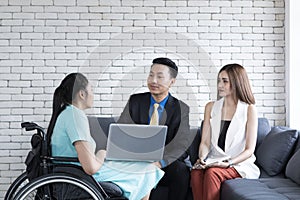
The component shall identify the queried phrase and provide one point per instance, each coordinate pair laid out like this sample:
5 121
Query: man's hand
157 164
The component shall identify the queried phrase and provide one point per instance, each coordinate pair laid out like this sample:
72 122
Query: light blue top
71 126
136 179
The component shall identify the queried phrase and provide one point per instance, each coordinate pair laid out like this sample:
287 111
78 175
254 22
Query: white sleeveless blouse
235 137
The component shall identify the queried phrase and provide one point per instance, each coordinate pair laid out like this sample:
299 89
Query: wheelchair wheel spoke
15 187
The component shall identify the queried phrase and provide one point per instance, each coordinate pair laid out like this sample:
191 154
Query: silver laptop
133 142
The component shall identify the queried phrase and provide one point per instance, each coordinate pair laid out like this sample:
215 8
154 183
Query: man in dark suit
173 113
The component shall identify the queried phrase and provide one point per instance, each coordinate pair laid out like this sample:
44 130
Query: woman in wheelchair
69 135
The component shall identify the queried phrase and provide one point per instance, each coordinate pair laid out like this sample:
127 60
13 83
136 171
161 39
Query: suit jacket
235 138
175 116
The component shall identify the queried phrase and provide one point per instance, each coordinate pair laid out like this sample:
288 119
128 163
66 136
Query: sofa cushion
263 128
274 151
194 147
297 146
292 169
264 188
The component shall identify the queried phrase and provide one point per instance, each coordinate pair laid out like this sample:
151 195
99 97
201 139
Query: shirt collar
161 104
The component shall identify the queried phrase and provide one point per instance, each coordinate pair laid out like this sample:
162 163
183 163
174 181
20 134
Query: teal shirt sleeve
71 126
77 126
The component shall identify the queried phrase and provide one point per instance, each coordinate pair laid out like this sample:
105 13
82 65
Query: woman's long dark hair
63 96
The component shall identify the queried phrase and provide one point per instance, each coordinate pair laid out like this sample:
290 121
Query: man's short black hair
168 62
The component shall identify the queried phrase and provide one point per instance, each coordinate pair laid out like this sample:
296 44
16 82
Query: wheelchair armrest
63 159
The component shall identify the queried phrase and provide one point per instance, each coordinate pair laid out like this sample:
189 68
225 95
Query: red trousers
206 183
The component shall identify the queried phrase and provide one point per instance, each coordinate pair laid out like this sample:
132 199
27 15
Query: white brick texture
113 44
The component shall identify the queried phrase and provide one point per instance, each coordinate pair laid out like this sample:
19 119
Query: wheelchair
59 178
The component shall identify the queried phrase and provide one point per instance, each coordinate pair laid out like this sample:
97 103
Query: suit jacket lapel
168 111
144 109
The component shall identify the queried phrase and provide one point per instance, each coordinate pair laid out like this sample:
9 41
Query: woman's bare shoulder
209 105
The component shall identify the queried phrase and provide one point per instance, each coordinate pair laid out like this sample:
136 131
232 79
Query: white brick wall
114 42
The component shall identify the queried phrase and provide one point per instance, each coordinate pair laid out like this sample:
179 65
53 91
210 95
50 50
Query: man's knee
179 171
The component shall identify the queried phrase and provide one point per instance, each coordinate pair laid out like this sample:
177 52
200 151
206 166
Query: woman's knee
196 173
196 176
213 173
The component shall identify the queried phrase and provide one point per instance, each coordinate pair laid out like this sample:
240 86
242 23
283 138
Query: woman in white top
229 134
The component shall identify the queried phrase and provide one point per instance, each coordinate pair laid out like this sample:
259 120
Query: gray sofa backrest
99 127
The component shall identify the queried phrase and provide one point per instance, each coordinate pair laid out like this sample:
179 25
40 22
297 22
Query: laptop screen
133 142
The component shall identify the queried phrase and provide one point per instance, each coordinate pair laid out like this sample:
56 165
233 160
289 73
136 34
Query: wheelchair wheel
14 188
59 187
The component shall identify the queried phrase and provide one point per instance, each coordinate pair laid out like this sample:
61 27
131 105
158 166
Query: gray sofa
278 157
